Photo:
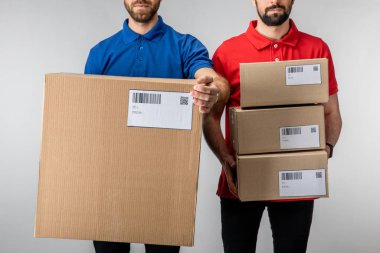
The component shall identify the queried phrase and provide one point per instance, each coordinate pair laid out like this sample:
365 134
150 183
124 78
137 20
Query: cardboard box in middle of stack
278 134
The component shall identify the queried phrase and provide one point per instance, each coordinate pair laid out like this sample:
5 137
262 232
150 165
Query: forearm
333 123
333 120
214 137
215 140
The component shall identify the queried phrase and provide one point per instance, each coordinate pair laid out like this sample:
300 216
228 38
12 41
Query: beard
142 17
276 19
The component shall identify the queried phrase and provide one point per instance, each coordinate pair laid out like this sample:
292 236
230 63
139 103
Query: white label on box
302 183
160 109
299 137
303 74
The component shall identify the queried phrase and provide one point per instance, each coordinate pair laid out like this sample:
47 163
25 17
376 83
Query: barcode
291 131
313 130
291 176
184 101
318 174
295 69
315 68
146 98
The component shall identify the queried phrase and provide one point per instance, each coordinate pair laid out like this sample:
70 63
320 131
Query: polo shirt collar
155 34
261 42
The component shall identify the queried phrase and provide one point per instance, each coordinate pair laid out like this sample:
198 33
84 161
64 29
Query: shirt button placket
276 53
140 49
141 45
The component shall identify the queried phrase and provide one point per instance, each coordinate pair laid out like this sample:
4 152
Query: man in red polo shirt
273 37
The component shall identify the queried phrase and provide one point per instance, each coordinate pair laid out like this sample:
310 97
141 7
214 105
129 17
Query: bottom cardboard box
282 176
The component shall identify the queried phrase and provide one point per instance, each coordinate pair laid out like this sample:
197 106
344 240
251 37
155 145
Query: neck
142 28
273 32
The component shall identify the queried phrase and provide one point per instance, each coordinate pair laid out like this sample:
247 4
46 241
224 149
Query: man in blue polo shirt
147 47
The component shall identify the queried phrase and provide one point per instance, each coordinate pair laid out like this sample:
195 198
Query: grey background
41 36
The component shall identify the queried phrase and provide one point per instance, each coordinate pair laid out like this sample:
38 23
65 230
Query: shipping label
299 137
303 74
302 183
160 109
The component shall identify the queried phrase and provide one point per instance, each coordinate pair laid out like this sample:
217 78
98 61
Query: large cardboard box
277 129
282 176
284 83
119 160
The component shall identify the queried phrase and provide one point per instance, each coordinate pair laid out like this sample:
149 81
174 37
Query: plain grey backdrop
42 36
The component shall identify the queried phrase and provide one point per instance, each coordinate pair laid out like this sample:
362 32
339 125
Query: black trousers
118 247
290 223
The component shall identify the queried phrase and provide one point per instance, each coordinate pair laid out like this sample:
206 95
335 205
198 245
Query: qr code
184 101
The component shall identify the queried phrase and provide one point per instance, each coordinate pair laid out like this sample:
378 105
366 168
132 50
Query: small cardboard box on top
284 83
119 160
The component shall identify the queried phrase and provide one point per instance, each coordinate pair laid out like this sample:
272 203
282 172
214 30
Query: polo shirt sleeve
218 66
194 56
91 68
333 85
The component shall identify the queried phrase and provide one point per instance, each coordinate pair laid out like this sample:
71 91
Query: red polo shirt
253 47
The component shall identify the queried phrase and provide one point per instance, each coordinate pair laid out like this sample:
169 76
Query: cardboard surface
102 180
259 130
272 83
258 175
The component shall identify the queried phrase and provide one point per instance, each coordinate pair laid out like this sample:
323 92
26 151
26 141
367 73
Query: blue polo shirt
161 53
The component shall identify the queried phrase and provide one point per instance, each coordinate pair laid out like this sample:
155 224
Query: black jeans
290 223
118 247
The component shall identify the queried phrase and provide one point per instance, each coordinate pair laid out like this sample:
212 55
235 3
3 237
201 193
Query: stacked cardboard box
278 134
